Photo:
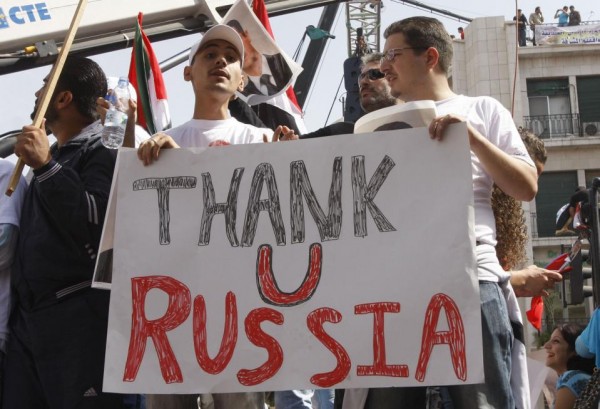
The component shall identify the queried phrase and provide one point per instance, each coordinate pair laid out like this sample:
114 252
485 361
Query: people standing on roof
58 325
461 32
535 18
574 17
562 16
521 21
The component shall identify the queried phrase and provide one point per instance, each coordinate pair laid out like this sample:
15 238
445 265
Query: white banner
344 261
582 34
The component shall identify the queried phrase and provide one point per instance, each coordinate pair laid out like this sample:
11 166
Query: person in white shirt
418 54
536 18
215 72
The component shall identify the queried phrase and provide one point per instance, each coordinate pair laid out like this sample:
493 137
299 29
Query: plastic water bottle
116 117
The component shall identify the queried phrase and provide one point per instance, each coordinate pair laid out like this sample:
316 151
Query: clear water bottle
116 116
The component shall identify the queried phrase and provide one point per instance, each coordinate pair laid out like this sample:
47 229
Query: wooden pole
49 89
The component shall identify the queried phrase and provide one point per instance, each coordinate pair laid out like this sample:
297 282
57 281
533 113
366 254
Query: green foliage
542 337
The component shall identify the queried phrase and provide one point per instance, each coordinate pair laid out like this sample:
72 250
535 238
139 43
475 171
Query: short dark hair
86 81
425 32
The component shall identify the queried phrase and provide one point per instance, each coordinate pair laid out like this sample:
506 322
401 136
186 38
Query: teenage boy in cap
215 72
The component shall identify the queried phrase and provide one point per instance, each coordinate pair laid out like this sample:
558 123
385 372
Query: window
588 95
590 174
554 191
549 107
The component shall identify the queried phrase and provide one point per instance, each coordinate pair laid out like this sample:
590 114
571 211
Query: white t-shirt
10 213
493 121
199 133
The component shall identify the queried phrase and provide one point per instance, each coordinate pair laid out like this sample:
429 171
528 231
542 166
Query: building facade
554 90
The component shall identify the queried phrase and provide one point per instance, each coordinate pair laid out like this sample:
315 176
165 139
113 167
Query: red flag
536 312
260 9
146 77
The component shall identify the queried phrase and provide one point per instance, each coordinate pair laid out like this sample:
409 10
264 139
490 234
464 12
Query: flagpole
49 88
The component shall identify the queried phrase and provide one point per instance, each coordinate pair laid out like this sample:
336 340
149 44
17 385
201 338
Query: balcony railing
554 126
534 229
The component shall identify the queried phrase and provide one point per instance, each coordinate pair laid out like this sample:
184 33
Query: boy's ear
187 73
240 87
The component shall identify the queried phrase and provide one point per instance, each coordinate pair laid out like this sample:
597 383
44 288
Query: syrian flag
146 77
286 102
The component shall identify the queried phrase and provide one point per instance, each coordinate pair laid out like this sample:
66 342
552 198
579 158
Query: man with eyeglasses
374 94
418 54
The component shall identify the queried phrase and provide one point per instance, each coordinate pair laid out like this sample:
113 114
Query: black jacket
61 221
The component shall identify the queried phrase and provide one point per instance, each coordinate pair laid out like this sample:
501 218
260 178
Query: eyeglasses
373 75
390 54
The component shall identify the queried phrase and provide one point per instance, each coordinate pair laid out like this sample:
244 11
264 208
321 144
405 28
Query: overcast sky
18 89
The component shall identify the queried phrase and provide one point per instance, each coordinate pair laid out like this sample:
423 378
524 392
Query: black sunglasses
373 74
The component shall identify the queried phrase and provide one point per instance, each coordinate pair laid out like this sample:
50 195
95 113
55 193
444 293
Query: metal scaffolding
363 23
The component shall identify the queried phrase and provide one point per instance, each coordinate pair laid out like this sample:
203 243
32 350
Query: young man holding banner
418 54
215 72
55 356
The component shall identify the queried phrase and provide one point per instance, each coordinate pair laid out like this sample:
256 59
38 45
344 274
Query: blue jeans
497 348
296 399
324 398
302 399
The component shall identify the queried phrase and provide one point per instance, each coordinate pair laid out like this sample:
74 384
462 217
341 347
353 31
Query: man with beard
374 94
58 325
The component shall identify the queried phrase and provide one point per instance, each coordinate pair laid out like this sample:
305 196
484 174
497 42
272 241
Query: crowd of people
567 16
54 340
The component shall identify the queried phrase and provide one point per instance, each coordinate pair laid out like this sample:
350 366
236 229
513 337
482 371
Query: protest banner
341 262
582 34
